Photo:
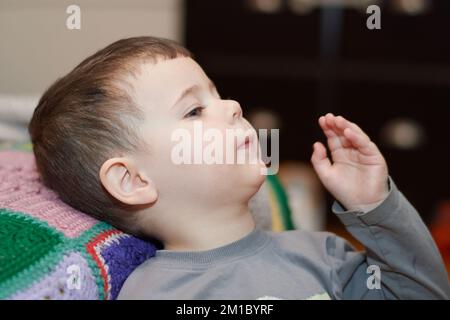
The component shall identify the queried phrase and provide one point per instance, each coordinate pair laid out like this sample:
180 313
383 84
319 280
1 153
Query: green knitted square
23 242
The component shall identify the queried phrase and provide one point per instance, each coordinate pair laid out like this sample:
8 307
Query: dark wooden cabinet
301 66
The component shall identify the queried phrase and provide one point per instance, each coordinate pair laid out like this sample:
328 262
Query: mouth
247 142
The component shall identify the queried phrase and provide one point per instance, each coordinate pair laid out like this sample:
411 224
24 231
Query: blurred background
287 62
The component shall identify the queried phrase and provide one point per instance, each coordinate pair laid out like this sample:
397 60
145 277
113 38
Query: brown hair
87 117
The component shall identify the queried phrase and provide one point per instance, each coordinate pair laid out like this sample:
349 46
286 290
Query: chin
240 180
252 176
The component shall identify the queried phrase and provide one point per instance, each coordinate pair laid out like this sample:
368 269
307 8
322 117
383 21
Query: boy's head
102 137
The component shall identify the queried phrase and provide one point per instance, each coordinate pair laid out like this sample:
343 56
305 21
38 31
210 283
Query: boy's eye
195 112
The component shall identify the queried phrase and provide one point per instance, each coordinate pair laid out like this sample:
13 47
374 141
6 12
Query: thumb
319 160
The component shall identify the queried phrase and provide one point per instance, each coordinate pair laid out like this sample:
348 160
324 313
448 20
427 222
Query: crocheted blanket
48 250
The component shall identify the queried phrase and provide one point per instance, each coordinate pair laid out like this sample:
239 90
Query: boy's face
176 94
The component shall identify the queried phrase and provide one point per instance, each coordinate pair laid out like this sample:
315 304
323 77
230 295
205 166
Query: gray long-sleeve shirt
400 253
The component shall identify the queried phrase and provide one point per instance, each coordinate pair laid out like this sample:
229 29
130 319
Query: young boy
102 137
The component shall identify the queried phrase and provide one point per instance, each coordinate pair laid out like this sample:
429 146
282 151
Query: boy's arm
396 239
399 249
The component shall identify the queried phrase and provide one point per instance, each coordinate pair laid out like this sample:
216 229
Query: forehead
159 84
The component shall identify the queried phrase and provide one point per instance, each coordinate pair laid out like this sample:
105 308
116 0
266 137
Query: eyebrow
192 89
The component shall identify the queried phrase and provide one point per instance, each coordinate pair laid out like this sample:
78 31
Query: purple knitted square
122 256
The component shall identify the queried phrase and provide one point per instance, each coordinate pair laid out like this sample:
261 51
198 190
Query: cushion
49 250
45 244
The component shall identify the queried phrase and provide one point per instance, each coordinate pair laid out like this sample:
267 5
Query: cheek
167 156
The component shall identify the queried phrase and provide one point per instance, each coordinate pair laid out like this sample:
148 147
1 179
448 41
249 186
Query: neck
193 230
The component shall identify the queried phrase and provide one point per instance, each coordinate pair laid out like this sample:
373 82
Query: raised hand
357 175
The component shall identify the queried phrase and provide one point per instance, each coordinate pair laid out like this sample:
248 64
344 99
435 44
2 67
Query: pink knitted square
21 190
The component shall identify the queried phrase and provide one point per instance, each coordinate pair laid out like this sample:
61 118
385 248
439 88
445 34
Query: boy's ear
121 178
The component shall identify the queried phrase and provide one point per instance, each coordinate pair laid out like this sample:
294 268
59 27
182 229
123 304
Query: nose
235 111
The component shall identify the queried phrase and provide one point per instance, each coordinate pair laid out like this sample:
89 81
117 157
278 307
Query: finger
329 119
335 137
342 123
361 142
327 130
319 159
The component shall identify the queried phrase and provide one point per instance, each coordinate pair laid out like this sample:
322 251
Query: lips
248 140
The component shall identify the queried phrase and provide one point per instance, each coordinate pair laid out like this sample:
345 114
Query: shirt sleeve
401 260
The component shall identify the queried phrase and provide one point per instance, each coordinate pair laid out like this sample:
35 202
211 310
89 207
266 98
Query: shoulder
143 282
315 245
302 238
